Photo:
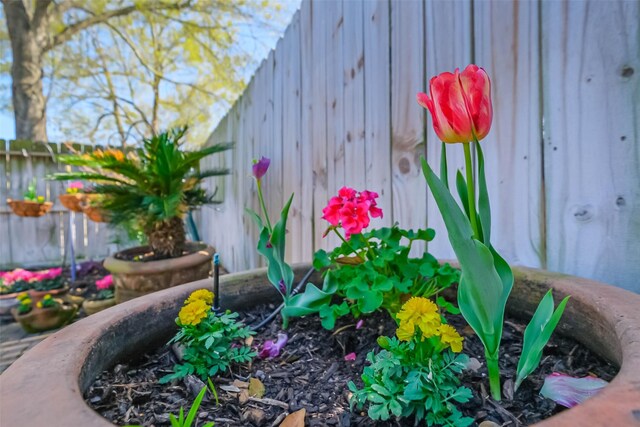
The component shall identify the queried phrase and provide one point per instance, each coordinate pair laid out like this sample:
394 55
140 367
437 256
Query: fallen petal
569 391
350 357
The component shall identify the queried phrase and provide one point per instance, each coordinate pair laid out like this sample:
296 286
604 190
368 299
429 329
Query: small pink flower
271 349
350 357
105 283
77 185
352 210
359 324
260 167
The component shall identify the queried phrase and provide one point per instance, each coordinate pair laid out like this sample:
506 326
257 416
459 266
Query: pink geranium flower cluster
21 275
352 210
105 283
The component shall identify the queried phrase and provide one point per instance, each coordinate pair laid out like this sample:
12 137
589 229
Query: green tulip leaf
537 334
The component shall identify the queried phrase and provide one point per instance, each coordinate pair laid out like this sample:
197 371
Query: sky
260 45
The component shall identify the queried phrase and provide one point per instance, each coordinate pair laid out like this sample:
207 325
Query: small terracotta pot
95 214
73 202
26 208
133 279
45 319
93 306
38 295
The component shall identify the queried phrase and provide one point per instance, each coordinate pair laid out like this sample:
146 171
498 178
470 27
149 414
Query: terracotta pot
93 306
133 279
38 295
29 209
95 214
47 383
45 319
73 202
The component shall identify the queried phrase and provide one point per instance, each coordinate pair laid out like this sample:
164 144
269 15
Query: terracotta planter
133 279
56 293
95 214
93 306
29 209
47 383
73 202
45 319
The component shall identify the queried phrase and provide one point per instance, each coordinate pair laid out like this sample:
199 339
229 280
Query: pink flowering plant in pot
460 105
373 270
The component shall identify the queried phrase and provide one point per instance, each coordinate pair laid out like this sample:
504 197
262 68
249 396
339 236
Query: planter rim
49 376
201 251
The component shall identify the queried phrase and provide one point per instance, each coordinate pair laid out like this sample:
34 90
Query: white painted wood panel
448 46
377 109
506 46
591 84
407 117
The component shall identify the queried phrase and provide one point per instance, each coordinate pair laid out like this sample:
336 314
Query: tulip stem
471 194
263 206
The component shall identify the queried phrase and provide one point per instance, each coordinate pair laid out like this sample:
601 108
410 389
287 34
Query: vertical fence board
444 52
305 193
353 95
292 148
591 84
335 110
407 118
507 46
377 105
321 33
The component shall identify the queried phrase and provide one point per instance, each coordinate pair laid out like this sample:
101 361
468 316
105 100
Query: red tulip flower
460 104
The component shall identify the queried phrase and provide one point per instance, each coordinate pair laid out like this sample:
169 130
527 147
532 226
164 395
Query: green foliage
402 380
380 274
271 245
486 279
104 294
537 334
181 421
152 185
47 284
211 346
31 194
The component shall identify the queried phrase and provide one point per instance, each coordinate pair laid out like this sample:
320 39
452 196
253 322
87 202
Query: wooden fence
334 105
42 241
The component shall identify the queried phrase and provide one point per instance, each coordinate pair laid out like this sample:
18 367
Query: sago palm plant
151 188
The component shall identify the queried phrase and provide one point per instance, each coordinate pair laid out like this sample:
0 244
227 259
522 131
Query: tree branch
71 30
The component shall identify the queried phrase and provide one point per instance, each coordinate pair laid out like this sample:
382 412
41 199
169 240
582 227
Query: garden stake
273 315
216 283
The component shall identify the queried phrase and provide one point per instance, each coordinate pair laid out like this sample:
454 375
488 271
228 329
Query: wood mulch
311 373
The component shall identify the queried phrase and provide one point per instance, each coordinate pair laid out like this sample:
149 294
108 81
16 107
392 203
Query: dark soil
311 373
86 275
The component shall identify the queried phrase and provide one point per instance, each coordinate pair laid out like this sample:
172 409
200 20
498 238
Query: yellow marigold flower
405 331
420 312
39 304
200 294
23 296
193 313
47 296
25 301
448 335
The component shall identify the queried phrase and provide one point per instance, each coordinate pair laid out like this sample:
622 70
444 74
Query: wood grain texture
318 138
506 40
591 84
377 99
336 124
407 117
353 100
444 53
